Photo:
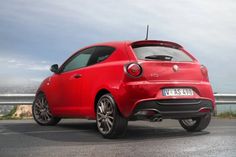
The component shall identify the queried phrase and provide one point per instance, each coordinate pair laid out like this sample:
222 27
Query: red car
115 82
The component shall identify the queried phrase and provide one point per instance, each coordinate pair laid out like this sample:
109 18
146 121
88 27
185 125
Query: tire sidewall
201 124
116 115
109 96
52 121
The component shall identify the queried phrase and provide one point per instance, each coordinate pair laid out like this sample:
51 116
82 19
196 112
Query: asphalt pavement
76 137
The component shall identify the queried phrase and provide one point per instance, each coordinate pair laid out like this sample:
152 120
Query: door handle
77 76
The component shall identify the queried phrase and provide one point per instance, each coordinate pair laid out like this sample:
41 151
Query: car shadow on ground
86 132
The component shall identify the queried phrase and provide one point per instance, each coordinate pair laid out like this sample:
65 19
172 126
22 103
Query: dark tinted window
101 53
160 53
79 60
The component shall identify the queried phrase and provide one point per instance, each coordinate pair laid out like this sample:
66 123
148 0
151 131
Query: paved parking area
75 137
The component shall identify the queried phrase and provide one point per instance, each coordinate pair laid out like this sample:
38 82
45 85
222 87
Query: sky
36 34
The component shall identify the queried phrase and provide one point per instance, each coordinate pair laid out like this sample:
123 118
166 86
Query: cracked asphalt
76 137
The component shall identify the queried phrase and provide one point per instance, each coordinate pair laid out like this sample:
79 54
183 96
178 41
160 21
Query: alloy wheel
189 122
41 110
105 115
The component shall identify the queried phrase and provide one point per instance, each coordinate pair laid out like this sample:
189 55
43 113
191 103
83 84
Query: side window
101 53
79 60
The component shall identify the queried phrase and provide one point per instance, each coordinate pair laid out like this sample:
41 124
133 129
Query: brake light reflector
134 69
205 110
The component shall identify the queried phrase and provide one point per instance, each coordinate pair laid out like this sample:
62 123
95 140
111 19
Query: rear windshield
161 53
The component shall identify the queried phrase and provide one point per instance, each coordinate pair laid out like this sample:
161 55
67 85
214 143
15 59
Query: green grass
228 114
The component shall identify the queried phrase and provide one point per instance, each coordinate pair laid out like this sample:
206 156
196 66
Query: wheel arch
100 93
39 92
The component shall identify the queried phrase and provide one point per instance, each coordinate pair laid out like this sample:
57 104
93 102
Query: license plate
177 92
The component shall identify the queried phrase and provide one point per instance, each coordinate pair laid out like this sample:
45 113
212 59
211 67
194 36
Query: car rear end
165 81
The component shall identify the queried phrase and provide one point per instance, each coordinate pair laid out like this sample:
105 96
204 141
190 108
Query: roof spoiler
156 42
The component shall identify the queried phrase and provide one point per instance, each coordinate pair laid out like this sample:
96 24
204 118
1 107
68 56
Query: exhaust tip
156 119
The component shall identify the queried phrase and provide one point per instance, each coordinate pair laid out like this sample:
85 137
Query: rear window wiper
160 57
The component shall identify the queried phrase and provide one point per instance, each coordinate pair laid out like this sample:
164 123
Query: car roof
111 43
139 42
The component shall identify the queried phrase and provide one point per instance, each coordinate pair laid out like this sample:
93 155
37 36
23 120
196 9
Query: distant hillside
18 89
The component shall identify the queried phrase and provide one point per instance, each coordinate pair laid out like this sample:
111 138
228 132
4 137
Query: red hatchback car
115 82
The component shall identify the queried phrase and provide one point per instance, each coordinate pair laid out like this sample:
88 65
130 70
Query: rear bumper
173 108
130 95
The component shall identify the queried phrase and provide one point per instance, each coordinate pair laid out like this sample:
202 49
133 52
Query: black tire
41 112
110 123
199 123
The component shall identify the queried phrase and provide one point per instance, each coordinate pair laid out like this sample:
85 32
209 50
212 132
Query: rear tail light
204 110
134 70
204 72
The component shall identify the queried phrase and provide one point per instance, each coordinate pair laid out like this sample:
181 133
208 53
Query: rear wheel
196 124
109 121
41 112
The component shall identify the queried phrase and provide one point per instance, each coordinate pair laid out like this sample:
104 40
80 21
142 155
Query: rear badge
154 75
175 68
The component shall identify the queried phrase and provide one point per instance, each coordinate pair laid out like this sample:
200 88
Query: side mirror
54 68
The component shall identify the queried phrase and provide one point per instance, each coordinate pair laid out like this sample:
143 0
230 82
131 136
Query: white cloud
39 67
205 27
24 64
12 61
44 62
22 71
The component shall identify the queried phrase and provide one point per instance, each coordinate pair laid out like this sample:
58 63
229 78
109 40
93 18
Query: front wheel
196 124
41 112
109 121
